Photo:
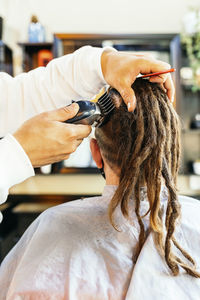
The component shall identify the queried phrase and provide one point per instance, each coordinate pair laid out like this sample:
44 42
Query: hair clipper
93 113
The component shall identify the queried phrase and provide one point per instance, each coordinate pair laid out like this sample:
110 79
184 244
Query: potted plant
190 38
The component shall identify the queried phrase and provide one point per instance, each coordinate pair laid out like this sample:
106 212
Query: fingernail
134 104
74 104
129 105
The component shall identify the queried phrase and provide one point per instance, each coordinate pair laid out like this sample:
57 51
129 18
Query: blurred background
32 32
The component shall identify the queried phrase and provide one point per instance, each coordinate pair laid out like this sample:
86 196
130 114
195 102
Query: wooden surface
94 36
61 184
32 207
83 184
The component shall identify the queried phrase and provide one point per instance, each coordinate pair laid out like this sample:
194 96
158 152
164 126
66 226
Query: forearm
72 76
15 166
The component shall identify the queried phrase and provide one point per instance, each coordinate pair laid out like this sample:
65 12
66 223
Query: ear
96 154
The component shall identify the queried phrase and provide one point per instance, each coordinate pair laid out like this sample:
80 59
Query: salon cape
71 252
67 78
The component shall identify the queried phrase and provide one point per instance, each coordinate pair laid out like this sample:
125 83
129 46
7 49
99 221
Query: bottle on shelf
44 57
196 167
195 123
36 32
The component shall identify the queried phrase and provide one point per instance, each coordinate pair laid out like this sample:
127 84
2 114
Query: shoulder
190 209
76 220
75 211
188 228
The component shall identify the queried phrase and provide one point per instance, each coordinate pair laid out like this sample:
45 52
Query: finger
77 131
162 86
148 65
64 113
169 86
138 54
166 83
73 146
60 158
129 98
158 79
65 157
78 142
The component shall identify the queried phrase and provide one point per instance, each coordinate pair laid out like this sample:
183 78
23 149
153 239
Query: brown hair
144 147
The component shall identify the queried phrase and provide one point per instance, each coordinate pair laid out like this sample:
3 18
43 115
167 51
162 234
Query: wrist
20 139
106 57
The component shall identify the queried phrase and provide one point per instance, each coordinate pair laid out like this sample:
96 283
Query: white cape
72 252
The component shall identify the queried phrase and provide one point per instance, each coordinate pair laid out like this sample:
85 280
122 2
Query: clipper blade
93 113
106 104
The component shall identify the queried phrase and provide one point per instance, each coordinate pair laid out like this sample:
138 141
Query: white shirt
72 252
67 78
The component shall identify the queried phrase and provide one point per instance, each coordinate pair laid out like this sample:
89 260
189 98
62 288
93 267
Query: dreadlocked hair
144 148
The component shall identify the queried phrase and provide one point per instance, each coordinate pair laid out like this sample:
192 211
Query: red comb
158 73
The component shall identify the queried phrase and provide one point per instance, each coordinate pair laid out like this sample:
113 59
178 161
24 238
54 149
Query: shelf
43 45
31 54
61 184
6 61
191 131
85 185
139 37
187 87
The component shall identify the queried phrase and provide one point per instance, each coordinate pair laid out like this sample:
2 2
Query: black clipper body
95 114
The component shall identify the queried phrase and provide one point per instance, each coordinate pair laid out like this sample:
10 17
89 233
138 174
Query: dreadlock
144 148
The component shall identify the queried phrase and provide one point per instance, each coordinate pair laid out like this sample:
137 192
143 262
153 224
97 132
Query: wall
105 16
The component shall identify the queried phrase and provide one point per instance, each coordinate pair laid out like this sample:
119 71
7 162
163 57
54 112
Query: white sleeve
71 77
15 166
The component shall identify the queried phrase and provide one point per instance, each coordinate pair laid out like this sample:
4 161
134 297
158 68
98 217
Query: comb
105 104
157 73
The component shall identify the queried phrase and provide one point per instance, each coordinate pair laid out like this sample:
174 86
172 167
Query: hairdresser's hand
46 139
121 69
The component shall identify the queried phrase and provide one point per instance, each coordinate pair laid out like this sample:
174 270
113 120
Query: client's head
142 148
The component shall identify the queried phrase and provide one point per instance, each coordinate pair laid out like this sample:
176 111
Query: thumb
64 113
129 98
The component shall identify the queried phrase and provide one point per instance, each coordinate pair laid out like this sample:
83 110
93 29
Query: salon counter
86 184
61 184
